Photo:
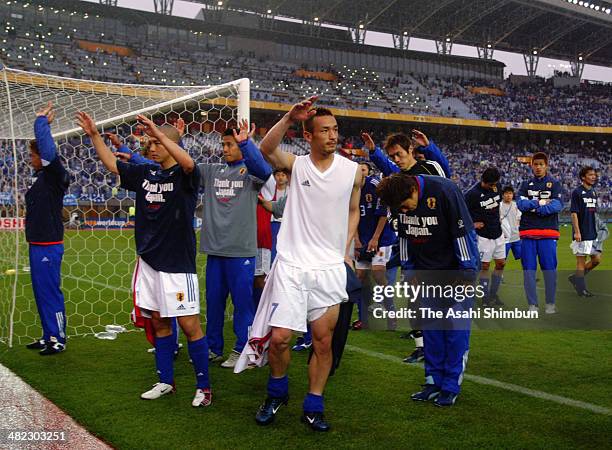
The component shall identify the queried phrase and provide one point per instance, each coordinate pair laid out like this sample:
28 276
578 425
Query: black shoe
37 345
586 293
315 421
52 349
267 411
416 356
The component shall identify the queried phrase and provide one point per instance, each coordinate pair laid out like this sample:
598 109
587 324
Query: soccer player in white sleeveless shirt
308 279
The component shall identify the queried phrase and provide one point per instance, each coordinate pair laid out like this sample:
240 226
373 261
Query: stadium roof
563 29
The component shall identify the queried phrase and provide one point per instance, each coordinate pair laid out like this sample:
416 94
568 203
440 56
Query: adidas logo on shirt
180 307
306 183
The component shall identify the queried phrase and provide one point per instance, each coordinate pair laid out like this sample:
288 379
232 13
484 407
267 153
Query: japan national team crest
242 170
180 296
368 198
431 203
549 185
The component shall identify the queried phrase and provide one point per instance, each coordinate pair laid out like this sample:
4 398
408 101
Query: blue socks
278 387
164 358
496 280
484 282
313 403
198 352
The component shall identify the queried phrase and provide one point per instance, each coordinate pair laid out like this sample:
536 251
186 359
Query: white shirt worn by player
308 275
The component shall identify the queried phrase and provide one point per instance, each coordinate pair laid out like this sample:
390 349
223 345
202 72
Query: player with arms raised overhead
45 234
165 279
308 280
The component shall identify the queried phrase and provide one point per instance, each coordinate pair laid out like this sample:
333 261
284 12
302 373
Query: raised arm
105 154
42 132
353 221
253 159
384 164
431 151
270 144
180 156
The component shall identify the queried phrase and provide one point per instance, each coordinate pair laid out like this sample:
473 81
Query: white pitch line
499 384
98 283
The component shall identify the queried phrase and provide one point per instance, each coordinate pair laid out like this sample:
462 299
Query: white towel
255 352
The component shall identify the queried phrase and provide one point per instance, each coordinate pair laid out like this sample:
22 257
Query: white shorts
491 248
583 248
262 261
381 258
171 294
299 295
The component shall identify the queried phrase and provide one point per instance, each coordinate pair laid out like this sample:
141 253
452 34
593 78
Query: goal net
99 252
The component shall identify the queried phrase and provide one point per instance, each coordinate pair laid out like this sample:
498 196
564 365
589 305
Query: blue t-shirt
484 207
371 210
584 203
165 207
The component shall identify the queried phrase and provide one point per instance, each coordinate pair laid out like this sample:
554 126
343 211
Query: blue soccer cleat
266 413
429 392
446 398
316 421
301 345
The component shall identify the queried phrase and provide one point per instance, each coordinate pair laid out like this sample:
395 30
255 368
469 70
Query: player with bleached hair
165 280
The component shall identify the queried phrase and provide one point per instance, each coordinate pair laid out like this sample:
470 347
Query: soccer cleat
416 356
37 345
230 362
52 349
203 397
445 398
551 308
533 308
357 325
266 413
316 421
213 357
301 344
586 293
429 392
157 391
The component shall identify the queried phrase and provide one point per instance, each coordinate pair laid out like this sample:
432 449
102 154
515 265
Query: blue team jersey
539 221
165 207
439 233
584 204
484 207
370 211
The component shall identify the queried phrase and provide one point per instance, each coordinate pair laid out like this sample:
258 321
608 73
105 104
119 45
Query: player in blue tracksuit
374 242
540 202
436 220
583 209
45 234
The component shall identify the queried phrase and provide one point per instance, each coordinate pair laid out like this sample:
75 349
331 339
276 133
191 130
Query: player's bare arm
270 144
576 225
353 220
380 226
105 154
180 156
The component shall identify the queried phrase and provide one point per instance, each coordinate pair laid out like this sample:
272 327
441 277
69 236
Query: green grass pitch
367 401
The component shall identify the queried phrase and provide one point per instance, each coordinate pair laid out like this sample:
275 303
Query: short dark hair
395 189
508 189
397 139
490 175
230 131
285 171
586 169
541 156
319 112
